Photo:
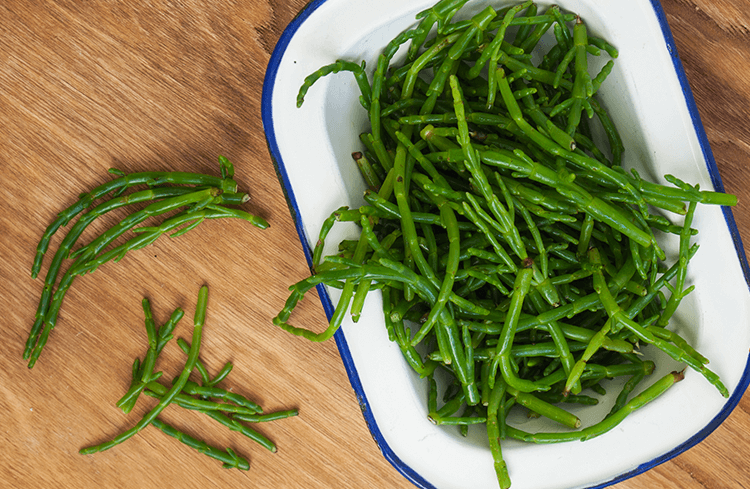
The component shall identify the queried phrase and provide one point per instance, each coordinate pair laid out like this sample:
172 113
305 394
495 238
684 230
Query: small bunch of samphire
205 397
188 199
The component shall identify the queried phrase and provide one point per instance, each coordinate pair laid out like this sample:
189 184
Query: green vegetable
229 458
179 383
143 373
72 236
198 196
513 250
228 408
649 394
119 185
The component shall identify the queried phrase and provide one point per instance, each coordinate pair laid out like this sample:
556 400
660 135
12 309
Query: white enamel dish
650 101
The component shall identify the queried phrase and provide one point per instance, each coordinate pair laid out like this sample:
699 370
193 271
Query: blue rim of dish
405 470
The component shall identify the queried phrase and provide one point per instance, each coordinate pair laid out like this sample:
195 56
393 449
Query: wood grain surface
163 85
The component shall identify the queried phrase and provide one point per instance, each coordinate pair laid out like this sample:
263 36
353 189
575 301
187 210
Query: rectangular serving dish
650 101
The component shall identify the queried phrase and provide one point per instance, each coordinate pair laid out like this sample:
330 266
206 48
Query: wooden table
172 85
